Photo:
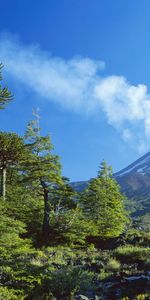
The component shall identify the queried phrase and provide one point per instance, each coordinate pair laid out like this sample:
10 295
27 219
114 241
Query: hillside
135 184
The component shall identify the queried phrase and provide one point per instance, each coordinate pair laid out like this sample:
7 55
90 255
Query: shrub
10 294
132 254
63 284
113 265
138 237
142 297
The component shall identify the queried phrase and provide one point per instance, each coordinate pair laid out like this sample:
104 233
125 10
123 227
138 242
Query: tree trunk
3 183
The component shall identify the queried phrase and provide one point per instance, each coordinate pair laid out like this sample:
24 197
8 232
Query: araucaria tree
5 94
11 152
102 203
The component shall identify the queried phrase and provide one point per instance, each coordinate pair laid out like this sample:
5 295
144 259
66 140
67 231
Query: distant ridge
134 181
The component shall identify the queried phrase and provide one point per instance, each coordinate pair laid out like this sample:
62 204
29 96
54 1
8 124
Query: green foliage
14 252
113 265
137 237
64 283
69 227
45 227
23 205
10 294
144 222
5 95
145 296
41 165
10 229
42 169
11 149
102 203
132 254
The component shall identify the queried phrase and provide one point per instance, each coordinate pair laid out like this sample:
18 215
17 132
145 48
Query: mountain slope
135 184
135 179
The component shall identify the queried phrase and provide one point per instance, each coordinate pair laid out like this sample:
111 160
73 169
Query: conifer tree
11 152
42 169
102 202
5 94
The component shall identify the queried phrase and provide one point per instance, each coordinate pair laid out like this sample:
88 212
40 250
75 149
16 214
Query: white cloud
78 84
120 100
127 135
67 82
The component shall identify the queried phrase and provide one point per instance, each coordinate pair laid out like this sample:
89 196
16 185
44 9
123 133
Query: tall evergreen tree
42 169
102 202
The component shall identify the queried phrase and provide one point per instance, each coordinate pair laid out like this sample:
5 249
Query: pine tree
5 94
102 202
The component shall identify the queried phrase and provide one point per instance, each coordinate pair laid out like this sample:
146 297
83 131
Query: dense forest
59 244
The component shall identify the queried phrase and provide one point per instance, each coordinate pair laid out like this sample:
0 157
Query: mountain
135 184
135 179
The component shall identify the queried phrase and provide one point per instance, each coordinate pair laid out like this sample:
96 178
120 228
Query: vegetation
56 243
11 152
5 94
102 203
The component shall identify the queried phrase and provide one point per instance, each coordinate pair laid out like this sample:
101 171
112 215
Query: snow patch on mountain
142 166
140 170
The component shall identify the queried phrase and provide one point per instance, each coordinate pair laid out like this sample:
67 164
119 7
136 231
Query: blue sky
86 65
